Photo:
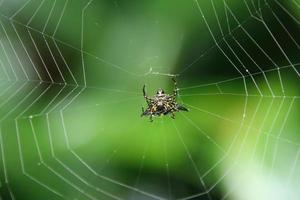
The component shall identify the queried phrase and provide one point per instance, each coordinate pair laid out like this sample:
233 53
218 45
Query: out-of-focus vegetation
71 96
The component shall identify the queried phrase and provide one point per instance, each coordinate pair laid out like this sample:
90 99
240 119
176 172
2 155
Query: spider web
66 101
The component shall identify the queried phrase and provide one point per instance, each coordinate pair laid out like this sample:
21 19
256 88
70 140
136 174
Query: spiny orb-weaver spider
161 103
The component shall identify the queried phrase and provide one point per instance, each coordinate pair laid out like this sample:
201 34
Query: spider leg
143 111
175 87
145 95
144 91
172 115
151 119
182 108
146 112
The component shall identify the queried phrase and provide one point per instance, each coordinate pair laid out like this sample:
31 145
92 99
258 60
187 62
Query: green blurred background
72 74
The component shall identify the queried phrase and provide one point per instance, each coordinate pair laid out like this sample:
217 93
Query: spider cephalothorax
161 103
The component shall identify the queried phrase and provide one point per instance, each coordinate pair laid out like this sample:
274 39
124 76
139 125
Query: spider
161 103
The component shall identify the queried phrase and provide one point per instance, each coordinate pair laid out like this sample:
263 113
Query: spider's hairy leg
151 119
145 95
175 87
182 108
143 111
144 91
172 115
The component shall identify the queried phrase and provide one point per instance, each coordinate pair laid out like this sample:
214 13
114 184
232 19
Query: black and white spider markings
161 103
